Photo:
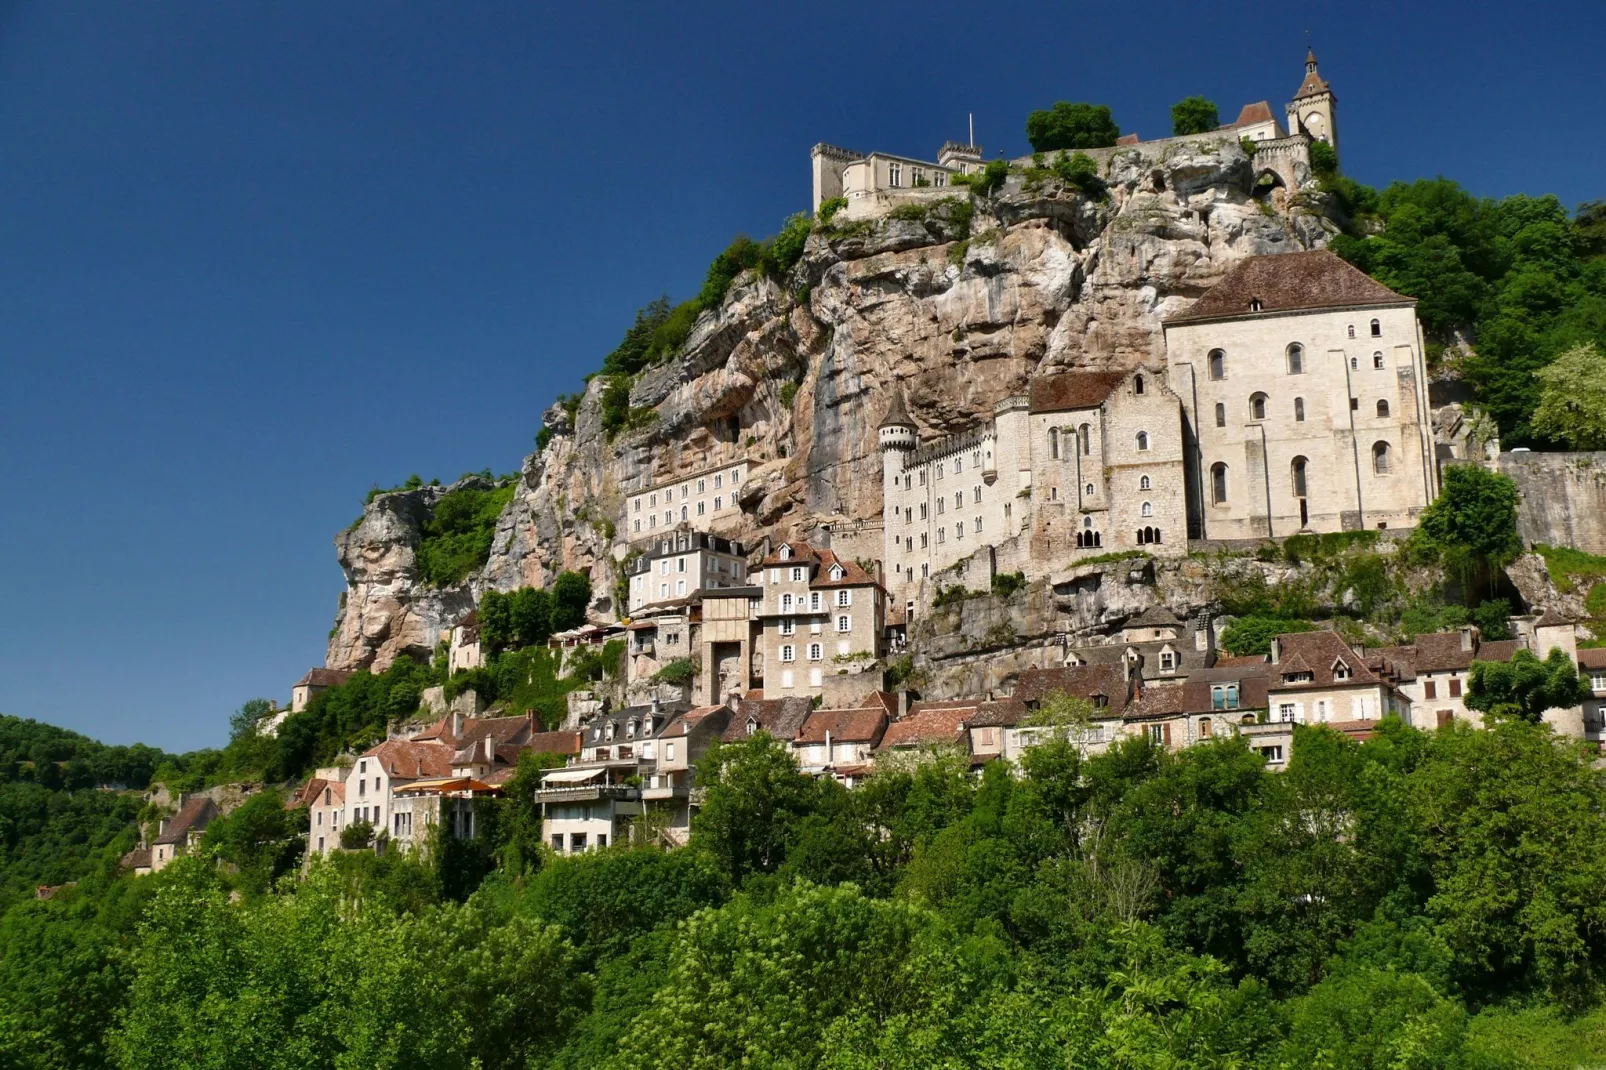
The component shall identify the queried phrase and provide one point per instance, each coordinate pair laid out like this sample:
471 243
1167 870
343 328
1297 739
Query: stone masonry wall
1561 498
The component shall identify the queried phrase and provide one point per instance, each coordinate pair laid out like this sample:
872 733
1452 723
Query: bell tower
1314 109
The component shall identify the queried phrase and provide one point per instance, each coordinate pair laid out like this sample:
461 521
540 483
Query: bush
357 836
829 208
1253 635
951 596
1493 619
788 393
1194 115
679 673
912 213
1072 126
1568 567
1005 584
1323 158
1079 170
742 254
991 178
457 536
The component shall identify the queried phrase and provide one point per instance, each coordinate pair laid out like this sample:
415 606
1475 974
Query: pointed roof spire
1313 83
897 414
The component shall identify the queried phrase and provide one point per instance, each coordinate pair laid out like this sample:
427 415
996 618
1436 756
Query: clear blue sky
257 256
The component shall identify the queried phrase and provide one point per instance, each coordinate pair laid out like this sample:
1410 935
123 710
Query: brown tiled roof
1313 83
307 794
998 713
1440 652
1156 616
195 814
1551 619
852 574
1128 139
1252 677
1592 658
441 729
407 759
1258 112
1316 653
1290 282
1073 390
936 724
470 625
846 726
324 678
1360 731
1242 661
802 554
885 701
897 412
1397 661
1158 700
501 729
1081 681
138 858
1499 650
943 704
780 717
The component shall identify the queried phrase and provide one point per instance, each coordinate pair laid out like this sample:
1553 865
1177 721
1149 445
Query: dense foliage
457 535
1418 900
1071 126
1194 115
1517 278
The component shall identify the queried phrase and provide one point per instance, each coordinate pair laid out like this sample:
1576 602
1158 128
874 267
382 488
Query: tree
260 838
1253 635
1323 158
357 836
1525 687
243 722
1472 524
571 597
755 795
531 615
1194 115
1572 403
1072 126
1493 619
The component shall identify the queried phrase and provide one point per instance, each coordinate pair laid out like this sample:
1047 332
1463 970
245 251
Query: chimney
1276 649
457 724
657 706
903 704
828 748
1468 645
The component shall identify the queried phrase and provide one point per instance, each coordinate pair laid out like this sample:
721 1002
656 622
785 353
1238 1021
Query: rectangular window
894 174
797 575
975 495
786 678
669 752
844 598
1455 687
816 652
814 601
844 623
788 652
788 625
1285 713
1430 689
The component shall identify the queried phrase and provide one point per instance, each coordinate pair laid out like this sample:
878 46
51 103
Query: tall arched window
1377 329
1218 483
1355 364
1090 490
1352 330
1143 483
1257 406
1297 471
1299 410
1137 384
1054 443
1086 435
1143 441
1381 461
1382 408
1221 414
1296 359
1377 361
1218 364
1148 508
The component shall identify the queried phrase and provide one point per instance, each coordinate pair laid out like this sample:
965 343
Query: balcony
666 791
587 793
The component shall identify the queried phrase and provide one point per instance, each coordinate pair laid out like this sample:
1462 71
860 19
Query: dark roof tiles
1289 282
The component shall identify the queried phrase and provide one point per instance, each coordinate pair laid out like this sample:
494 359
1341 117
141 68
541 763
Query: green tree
1525 687
1194 115
754 797
261 839
571 597
1472 524
1375 1020
1071 126
1572 403
1253 634
530 615
1493 618
243 721
1323 158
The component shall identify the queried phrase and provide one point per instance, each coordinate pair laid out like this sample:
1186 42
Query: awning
441 785
570 776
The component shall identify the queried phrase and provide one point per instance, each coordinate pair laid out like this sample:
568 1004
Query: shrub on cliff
457 536
1194 115
1572 403
1072 126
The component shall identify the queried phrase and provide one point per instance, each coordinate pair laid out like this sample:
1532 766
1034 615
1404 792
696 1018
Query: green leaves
1194 115
1071 126
1525 687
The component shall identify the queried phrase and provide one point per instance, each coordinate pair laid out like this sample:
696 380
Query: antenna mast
972 128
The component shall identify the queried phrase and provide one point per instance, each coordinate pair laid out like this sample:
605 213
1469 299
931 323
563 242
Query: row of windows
1382 464
685 514
816 651
942 466
1257 409
685 490
844 598
1294 358
917 176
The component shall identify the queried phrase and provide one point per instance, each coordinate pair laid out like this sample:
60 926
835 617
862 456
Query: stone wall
1561 498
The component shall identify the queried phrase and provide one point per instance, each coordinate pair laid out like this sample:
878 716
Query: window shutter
1166 734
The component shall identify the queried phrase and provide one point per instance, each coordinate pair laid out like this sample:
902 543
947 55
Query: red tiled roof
1318 653
1158 700
1242 661
324 678
195 815
1499 650
802 554
1314 83
1290 282
138 858
852 574
944 704
1080 681
554 743
780 717
1128 139
501 729
307 794
407 759
845 726
938 723
998 713
1258 112
1073 390
1592 658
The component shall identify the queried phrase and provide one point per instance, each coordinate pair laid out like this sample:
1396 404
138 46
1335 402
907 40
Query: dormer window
786 553
837 572
607 733
630 729
1341 671
1254 304
1298 677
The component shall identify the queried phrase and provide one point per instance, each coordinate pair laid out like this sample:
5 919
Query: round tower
897 431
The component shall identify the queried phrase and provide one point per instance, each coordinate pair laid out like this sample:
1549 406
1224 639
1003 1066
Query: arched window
1255 304
1148 508
1143 441
1137 384
1381 462
1143 483
1296 359
1352 330
1377 361
1090 491
1054 443
1218 364
683 512
1218 483
1377 329
1355 364
1257 406
1382 408
1221 414
1297 471
1087 440
1299 410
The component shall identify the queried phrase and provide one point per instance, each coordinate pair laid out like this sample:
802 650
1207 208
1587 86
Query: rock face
962 307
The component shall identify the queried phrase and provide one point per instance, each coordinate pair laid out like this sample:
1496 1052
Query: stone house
867 177
1155 644
1305 401
464 651
588 806
929 727
1592 666
315 683
731 641
661 634
1108 689
696 500
667 790
1431 674
182 832
681 564
325 800
842 743
1086 462
379 771
817 612
779 717
1317 678
988 725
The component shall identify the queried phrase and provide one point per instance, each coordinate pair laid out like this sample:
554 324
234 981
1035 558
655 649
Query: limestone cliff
960 301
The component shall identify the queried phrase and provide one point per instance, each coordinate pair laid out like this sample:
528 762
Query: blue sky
256 257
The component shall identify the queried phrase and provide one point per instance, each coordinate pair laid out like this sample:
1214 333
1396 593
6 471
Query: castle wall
1561 498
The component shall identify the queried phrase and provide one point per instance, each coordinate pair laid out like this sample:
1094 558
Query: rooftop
1073 390
1290 282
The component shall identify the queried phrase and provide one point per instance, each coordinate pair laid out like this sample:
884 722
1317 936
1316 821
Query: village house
182 832
818 613
779 717
1317 678
1106 689
1155 645
931 727
324 796
684 563
697 500
1592 666
842 743
1304 394
464 652
666 792
378 772
315 683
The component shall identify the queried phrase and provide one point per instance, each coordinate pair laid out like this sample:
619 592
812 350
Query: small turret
897 430
1314 109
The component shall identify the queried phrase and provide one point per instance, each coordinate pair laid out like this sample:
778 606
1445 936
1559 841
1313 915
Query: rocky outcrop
960 302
